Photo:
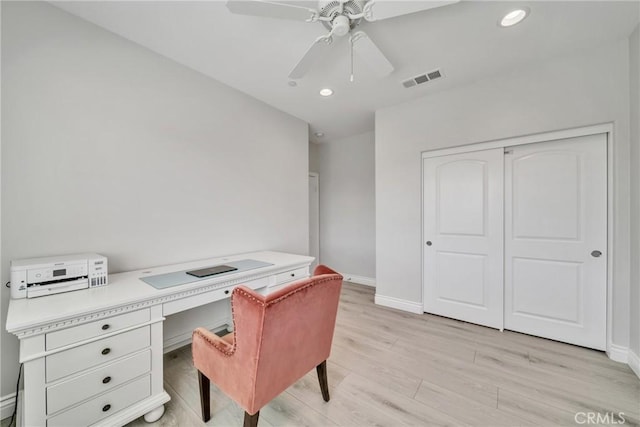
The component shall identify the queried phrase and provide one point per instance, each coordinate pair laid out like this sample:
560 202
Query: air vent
434 75
422 78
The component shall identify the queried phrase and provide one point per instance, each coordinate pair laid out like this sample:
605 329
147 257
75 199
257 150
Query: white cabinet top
126 292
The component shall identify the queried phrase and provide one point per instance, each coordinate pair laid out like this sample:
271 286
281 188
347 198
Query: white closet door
555 240
463 236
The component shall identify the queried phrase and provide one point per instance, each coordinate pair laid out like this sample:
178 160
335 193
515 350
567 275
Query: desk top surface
127 288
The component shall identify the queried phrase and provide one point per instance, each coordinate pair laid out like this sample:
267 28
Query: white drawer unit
108 325
85 356
104 405
96 381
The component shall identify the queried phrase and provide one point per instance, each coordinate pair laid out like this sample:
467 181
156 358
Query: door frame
316 176
612 350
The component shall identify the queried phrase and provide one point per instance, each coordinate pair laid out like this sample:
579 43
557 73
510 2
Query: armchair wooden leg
251 420
203 381
321 369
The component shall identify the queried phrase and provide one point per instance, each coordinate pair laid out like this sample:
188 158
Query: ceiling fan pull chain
351 54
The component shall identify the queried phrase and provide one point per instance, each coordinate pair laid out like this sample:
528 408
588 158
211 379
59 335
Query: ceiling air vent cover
422 78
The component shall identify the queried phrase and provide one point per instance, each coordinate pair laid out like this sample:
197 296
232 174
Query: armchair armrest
211 340
232 366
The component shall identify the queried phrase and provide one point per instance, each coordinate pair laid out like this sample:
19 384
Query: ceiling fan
340 17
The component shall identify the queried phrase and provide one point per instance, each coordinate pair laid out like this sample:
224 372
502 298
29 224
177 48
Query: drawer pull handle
105 326
226 292
293 274
105 408
106 351
106 380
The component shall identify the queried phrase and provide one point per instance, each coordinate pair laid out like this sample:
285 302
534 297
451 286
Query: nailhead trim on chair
283 297
215 344
259 302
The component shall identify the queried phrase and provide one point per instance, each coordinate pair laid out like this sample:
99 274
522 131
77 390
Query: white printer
37 277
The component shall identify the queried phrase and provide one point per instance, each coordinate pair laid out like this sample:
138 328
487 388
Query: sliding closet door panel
463 199
555 217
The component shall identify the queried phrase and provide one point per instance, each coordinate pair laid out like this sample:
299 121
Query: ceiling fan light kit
341 26
340 17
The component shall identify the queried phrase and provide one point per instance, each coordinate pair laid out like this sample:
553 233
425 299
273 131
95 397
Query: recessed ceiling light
292 83
326 92
319 134
514 17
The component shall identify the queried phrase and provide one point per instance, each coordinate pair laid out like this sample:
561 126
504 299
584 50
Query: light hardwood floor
391 368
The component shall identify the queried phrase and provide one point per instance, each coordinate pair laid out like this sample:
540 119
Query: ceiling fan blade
271 10
375 10
364 47
319 48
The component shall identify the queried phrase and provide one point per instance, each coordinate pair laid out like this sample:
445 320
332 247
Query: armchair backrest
285 334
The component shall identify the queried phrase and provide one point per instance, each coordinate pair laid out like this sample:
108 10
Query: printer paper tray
42 290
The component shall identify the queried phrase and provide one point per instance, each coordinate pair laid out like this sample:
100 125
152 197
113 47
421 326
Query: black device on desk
210 271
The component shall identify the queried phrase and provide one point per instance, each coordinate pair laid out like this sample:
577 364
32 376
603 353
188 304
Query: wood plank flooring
391 368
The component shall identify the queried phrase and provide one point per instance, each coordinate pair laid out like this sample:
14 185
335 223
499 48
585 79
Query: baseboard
360 280
6 405
634 362
400 304
618 353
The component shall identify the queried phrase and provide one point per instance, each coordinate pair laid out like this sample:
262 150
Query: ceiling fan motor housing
339 9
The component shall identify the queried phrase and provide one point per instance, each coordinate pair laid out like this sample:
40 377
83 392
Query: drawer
104 405
95 329
183 304
290 276
95 353
275 288
97 381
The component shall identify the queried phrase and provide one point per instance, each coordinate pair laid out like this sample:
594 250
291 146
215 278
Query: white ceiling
255 55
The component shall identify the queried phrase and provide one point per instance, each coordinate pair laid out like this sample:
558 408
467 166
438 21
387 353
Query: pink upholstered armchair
277 339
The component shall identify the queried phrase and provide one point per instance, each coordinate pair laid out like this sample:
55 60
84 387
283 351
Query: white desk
94 357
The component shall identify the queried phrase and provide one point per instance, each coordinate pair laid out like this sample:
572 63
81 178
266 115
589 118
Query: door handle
429 243
596 254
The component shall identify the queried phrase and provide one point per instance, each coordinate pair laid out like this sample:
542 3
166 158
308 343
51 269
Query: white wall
5 407
111 148
634 74
347 205
588 88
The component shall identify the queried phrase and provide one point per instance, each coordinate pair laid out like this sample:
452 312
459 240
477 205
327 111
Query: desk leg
154 415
